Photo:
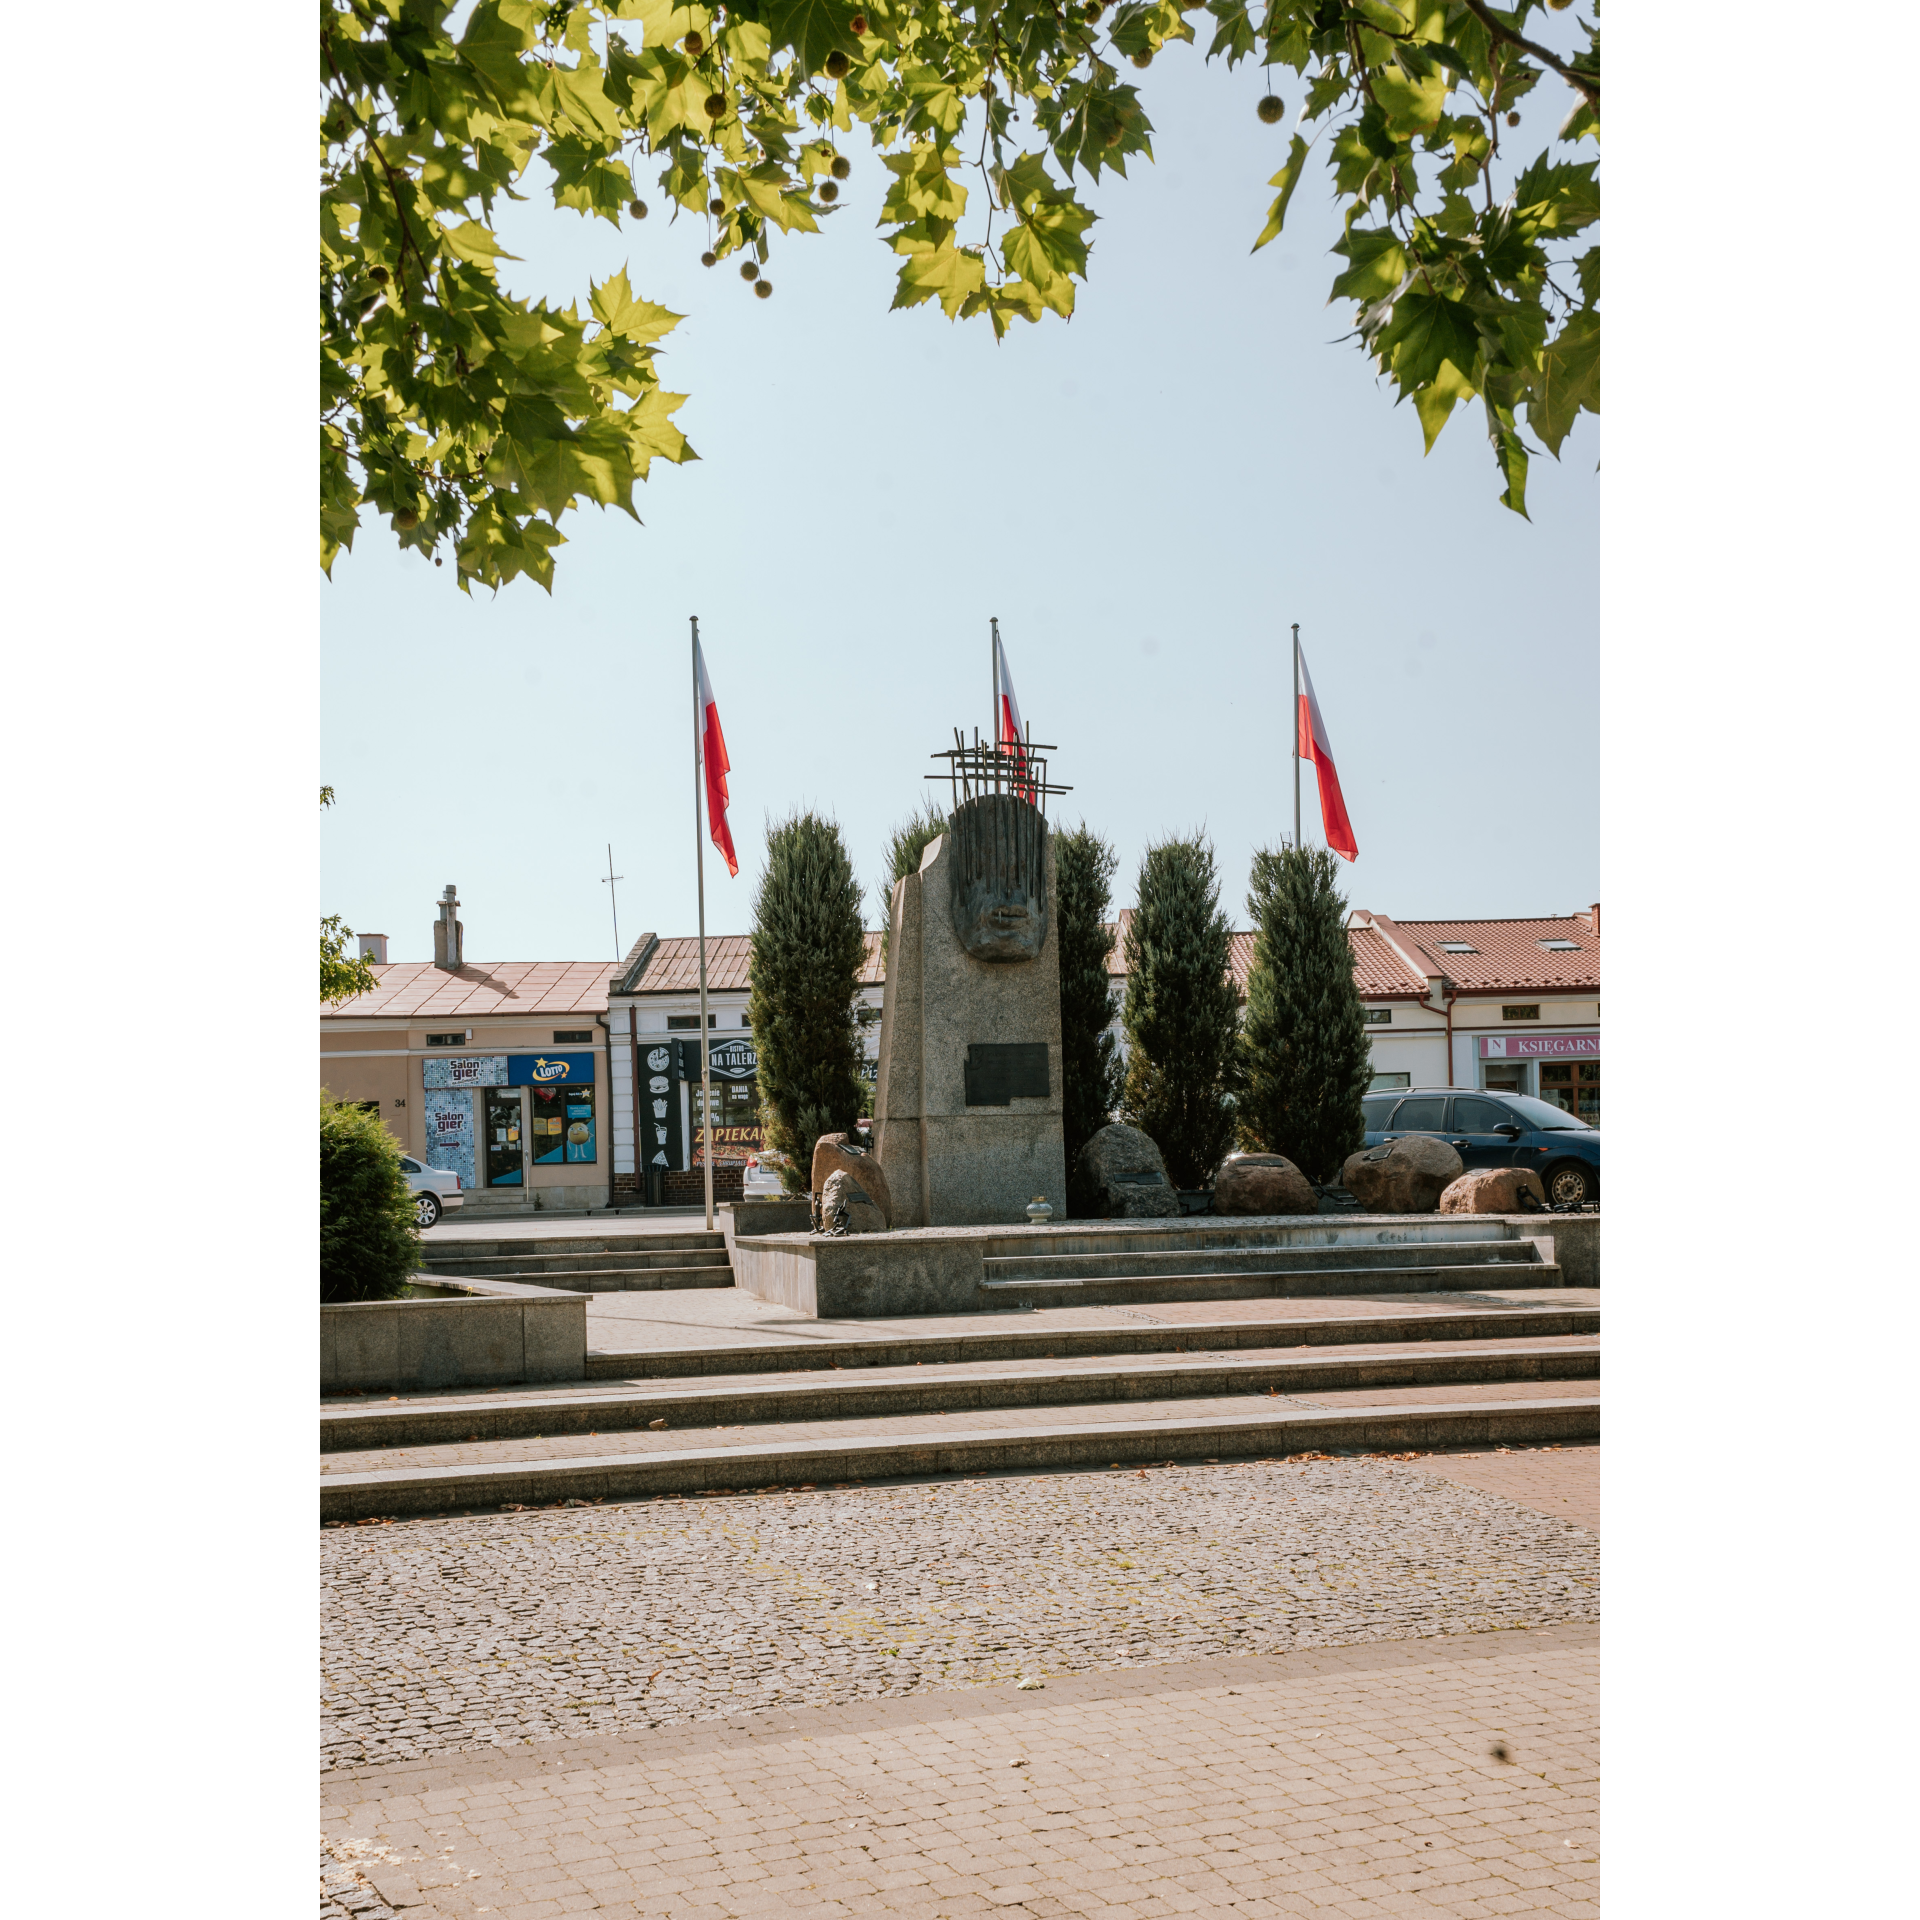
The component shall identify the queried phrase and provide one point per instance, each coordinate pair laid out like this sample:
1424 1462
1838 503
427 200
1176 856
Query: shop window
573 1037
736 1117
1573 1086
1521 1013
689 1022
1379 1016
446 1039
563 1126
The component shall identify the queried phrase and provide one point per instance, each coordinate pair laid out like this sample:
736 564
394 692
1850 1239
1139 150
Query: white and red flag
713 758
1009 735
1313 746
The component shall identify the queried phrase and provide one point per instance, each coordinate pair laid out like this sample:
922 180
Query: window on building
1458 946
562 1125
1573 1086
573 1037
1558 946
1387 1082
446 1039
1521 1013
1379 1016
689 1022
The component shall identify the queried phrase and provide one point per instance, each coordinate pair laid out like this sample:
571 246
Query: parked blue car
1497 1130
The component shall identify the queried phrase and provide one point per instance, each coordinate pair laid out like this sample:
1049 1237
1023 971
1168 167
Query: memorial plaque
1000 1072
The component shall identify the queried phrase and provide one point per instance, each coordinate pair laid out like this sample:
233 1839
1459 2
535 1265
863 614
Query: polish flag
1009 736
1313 746
713 757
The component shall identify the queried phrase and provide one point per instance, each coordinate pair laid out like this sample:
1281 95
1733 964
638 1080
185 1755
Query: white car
760 1178
434 1190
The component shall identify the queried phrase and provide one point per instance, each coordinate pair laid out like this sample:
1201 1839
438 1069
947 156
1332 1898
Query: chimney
373 946
1592 918
448 933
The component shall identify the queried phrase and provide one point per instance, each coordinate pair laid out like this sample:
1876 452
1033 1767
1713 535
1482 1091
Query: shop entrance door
506 1153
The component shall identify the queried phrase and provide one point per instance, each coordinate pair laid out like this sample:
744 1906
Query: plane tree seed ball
1143 58
763 289
716 205
749 270
638 208
407 519
1094 9
837 65
842 166
828 191
694 45
709 259
716 104
1271 108
1513 119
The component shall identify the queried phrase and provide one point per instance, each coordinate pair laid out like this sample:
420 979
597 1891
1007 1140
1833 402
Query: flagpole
994 644
1296 736
700 872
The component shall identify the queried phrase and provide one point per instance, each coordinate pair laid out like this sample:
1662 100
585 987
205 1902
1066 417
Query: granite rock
842 1153
1407 1175
1262 1183
1495 1190
843 1192
1121 1176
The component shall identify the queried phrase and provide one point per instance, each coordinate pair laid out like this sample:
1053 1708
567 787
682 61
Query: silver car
434 1190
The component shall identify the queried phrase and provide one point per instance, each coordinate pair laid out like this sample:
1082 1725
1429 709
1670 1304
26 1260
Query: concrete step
610 1280
965 1387
1293 1282
1161 1262
641 1250
1062 1442
821 1347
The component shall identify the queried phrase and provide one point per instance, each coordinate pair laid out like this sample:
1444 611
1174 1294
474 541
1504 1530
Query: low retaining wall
492 1333
942 1269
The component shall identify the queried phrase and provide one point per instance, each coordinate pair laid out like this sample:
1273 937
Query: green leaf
499 32
1587 267
766 191
1566 382
1286 180
944 273
1437 400
1379 265
1425 333
812 28
474 243
936 103
639 321
923 185
583 99
1409 103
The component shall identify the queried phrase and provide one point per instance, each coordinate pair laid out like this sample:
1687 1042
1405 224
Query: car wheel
1570 1185
426 1210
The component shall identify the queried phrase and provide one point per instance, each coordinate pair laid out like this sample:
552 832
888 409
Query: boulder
1495 1190
843 1193
842 1153
1121 1176
1262 1183
1407 1175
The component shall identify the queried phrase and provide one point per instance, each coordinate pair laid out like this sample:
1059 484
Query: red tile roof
1379 969
418 990
674 965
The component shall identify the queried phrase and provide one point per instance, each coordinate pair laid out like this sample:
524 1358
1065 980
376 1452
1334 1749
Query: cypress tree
1306 1058
1181 1025
1083 866
803 973
905 846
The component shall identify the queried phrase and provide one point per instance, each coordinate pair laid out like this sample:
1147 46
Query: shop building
653 1012
496 1071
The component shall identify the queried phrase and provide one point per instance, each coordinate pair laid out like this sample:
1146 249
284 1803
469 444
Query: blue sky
1146 498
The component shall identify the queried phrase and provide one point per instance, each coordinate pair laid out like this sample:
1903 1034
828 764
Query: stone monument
967 1112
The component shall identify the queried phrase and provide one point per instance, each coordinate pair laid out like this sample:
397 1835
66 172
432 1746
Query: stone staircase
599 1263
1483 1348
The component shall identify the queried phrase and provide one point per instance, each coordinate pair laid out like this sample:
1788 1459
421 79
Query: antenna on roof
613 894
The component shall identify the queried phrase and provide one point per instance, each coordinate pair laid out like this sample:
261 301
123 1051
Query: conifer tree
1182 1033
1306 1060
804 972
906 845
1089 1073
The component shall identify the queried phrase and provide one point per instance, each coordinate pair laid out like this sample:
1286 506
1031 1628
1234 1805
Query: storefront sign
548 1069
450 1130
1539 1046
660 1105
726 1059
465 1070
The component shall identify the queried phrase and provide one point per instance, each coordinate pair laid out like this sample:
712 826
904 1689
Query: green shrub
369 1244
1083 865
1306 1057
807 949
1181 1012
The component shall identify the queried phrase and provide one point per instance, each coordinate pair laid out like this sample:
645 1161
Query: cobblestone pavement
639 1441
721 1316
446 1635
1451 1777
